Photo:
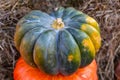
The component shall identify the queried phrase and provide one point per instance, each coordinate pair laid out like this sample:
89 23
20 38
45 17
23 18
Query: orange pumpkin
23 71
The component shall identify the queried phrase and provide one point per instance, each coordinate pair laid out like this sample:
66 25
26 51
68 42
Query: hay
106 12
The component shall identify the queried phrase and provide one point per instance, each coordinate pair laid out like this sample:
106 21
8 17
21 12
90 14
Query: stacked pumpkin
58 46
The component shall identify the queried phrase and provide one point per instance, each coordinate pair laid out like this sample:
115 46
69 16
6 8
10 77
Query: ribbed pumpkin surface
59 42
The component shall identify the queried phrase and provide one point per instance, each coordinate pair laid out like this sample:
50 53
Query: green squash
59 42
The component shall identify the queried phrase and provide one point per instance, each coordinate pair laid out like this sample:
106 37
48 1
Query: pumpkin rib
18 37
73 24
57 45
85 19
82 19
67 68
25 21
21 26
31 17
39 14
71 35
55 52
93 34
28 31
57 57
74 13
92 26
67 12
79 42
27 44
80 14
41 50
90 40
92 22
80 23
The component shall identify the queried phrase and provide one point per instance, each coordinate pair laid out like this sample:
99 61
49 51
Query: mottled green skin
42 46
86 56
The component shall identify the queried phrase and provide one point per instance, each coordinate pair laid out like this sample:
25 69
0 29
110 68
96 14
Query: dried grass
106 12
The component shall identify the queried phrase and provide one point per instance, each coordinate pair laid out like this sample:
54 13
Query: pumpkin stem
58 24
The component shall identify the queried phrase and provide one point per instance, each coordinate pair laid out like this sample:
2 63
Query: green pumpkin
59 42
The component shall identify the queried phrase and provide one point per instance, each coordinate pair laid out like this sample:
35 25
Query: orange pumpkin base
23 71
